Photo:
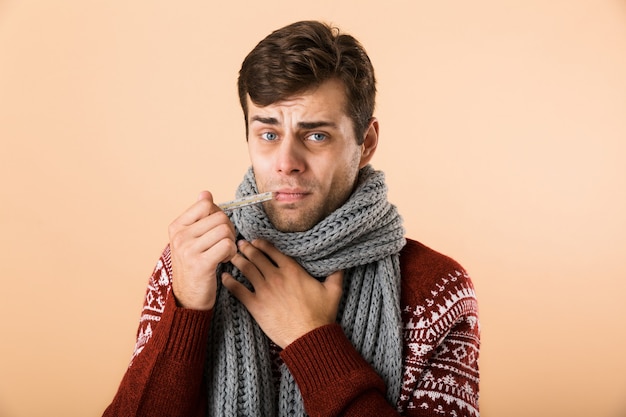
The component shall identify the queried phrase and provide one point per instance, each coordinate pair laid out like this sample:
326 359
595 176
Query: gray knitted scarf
363 237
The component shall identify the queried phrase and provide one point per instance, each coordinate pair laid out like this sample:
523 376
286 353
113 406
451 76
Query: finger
204 233
223 250
257 255
334 282
197 222
204 195
203 207
276 257
236 288
217 223
249 270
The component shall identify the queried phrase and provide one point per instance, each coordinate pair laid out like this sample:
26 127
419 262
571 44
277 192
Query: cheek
260 164
351 162
260 174
345 173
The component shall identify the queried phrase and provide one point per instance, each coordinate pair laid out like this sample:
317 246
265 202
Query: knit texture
363 237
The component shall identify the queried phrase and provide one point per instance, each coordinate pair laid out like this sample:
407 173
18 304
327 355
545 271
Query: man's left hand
287 302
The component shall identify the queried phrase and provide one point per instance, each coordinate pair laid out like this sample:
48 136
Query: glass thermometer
246 201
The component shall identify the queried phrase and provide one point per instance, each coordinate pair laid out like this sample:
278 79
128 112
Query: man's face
304 150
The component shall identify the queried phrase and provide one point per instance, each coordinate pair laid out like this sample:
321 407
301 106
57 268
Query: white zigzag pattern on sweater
154 304
455 353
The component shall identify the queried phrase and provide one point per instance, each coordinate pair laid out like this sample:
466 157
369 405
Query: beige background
503 130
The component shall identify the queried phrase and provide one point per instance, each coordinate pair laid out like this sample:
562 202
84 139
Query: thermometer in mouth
246 201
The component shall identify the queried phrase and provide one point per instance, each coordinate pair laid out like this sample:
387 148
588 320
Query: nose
290 156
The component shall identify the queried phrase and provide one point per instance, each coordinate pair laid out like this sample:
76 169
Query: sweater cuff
321 357
186 334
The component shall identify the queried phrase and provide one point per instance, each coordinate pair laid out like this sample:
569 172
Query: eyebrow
302 125
264 120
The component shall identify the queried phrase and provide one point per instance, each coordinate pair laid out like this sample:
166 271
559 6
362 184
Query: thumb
205 195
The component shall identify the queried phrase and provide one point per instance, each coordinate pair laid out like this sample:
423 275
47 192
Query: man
312 303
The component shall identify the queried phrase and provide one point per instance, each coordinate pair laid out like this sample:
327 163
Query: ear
370 142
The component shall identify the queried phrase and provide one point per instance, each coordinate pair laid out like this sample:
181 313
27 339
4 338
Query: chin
292 224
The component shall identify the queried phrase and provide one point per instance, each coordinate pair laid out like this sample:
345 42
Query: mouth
290 196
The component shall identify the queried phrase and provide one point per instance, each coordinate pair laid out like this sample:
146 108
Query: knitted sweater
440 367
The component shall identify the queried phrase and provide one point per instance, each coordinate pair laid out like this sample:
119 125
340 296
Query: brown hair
303 55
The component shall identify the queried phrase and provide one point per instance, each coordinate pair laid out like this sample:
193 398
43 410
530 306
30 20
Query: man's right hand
201 238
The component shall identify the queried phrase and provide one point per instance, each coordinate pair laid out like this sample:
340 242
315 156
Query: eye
269 136
317 137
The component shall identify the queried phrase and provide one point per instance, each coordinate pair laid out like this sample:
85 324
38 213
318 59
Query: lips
288 195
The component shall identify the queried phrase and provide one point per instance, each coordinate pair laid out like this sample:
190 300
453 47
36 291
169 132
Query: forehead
328 101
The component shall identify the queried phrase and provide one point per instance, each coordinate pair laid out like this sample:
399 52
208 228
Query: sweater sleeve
441 336
165 374
333 377
440 345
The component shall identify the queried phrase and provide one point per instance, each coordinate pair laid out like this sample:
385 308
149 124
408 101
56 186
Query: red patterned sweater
441 346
